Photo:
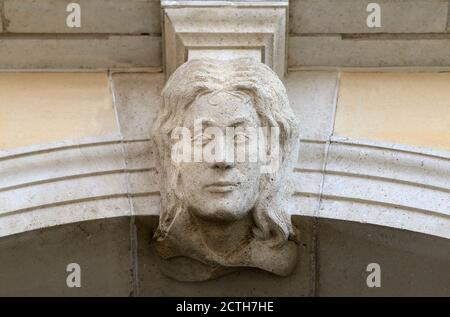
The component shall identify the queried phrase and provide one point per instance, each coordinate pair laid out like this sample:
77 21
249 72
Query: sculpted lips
221 187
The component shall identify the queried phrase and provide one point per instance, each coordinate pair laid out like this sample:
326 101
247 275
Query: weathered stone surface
80 52
97 16
221 31
313 96
217 213
140 154
307 178
349 16
78 180
100 180
390 185
137 100
368 51
249 282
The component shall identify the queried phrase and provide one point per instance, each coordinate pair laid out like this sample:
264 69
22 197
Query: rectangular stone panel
312 96
369 51
97 16
406 108
39 108
137 102
349 16
79 51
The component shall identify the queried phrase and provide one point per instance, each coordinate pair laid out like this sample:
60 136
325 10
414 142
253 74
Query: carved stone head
225 212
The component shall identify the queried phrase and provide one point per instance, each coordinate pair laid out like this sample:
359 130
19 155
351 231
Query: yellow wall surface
38 108
405 108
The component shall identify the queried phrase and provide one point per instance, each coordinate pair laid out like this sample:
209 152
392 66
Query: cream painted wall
38 108
406 108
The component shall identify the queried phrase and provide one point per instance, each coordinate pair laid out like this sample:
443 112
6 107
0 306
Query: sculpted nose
223 165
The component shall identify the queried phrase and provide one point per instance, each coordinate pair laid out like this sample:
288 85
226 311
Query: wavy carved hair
261 84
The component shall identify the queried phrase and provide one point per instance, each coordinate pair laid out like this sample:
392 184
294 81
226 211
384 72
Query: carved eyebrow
240 121
209 122
205 122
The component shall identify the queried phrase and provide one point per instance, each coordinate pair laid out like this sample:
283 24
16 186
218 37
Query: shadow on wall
333 259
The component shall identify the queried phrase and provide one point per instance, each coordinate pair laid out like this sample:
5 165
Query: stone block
349 16
137 100
39 108
97 16
396 108
312 96
369 51
389 185
80 51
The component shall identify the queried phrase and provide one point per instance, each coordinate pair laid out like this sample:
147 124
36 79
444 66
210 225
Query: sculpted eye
202 138
240 137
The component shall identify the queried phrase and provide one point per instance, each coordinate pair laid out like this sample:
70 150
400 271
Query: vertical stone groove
316 241
133 232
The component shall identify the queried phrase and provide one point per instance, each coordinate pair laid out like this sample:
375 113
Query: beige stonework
87 174
38 108
405 108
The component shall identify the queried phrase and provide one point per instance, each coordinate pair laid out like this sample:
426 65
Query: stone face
82 179
220 214
78 51
369 51
97 16
349 16
104 176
